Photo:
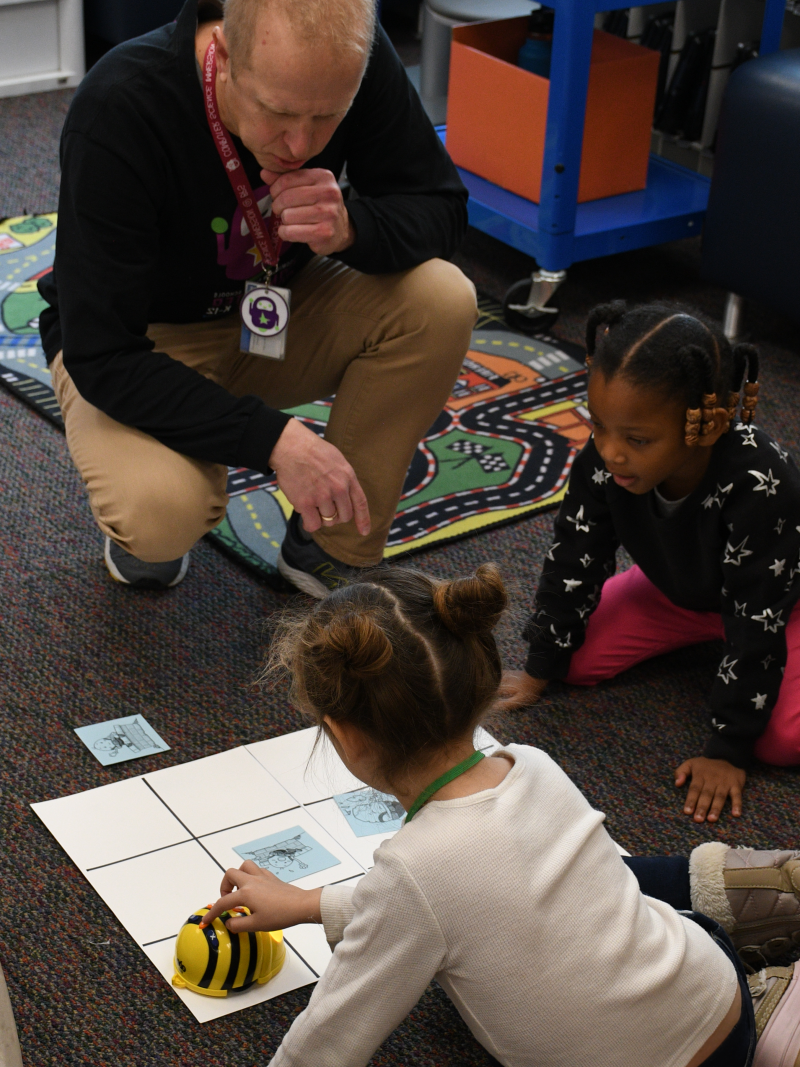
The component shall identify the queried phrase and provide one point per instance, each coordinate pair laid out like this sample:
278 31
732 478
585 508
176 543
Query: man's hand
317 480
518 690
311 208
713 781
273 904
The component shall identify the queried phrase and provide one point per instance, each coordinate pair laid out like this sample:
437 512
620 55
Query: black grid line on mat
298 806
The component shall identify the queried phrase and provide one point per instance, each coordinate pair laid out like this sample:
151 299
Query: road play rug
502 448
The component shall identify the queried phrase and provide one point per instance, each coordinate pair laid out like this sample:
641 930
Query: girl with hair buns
708 506
503 883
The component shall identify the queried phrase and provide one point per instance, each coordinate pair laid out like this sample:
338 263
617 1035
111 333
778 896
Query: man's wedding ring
328 518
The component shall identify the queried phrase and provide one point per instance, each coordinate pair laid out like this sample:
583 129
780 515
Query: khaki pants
389 346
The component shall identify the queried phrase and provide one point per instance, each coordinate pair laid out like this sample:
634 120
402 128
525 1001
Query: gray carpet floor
76 648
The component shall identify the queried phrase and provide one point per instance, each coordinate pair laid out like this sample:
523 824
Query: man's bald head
345 26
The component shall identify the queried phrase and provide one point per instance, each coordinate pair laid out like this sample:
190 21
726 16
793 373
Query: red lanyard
265 236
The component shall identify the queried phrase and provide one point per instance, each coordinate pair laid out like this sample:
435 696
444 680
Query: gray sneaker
125 568
310 569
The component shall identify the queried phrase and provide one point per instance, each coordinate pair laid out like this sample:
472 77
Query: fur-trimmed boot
776 1002
754 895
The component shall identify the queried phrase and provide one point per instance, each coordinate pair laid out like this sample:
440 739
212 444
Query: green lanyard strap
447 777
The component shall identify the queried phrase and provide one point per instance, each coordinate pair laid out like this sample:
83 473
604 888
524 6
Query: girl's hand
713 781
518 690
273 904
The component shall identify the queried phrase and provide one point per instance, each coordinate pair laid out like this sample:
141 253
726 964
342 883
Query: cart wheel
534 323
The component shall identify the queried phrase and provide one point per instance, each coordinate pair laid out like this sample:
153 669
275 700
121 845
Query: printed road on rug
502 448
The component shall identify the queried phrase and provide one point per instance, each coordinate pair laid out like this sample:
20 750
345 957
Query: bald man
160 387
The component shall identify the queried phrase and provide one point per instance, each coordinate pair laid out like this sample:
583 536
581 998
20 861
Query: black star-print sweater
733 546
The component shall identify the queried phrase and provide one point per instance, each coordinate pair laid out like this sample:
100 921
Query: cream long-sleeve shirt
516 900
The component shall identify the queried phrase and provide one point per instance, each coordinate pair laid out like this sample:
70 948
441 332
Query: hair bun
355 644
471 605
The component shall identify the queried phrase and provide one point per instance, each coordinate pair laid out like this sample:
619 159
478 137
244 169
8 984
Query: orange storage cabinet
497 112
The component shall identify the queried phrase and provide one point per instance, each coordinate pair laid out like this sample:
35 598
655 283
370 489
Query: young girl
503 883
708 507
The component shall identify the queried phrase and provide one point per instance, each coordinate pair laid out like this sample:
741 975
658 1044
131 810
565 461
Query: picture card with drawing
369 811
121 739
289 854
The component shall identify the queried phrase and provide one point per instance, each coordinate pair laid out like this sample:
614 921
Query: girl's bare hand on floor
713 781
518 690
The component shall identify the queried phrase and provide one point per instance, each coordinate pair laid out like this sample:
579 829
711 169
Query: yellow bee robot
213 961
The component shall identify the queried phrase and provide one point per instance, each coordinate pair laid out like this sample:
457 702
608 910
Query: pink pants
635 621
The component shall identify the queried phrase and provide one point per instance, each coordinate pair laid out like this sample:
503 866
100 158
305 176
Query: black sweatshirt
733 546
149 231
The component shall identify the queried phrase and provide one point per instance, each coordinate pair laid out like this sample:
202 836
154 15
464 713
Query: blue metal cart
558 231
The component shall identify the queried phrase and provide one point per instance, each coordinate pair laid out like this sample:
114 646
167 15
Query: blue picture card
289 854
121 739
371 812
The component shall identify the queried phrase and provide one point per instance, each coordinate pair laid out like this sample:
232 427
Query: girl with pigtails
708 507
503 883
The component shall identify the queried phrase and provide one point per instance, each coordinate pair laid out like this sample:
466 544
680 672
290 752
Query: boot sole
302 580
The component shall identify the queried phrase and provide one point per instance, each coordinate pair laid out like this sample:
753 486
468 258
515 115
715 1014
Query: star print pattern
562 642
748 438
737 554
767 483
725 671
553 547
784 455
718 497
740 526
772 620
579 522
600 476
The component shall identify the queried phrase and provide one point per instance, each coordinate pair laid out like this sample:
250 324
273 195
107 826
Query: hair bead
709 408
750 402
694 418
675 353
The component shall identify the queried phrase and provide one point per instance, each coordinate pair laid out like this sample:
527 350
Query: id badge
265 320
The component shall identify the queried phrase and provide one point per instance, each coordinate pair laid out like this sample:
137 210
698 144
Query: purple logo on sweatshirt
237 252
